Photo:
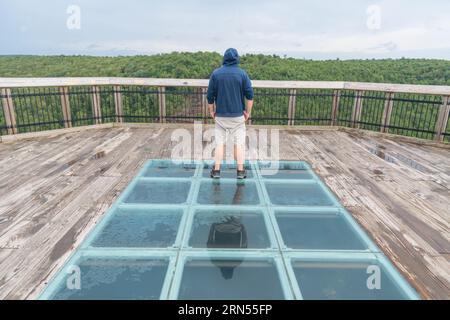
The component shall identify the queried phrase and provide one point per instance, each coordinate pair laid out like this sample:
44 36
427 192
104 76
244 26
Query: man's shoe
241 174
215 174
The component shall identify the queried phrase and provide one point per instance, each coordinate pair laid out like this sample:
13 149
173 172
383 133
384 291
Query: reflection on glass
215 192
299 194
230 233
116 279
159 192
137 227
304 230
252 279
227 171
334 280
169 169
206 221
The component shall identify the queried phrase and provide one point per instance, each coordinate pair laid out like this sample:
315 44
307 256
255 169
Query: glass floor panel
337 280
115 279
157 191
317 231
170 170
297 194
286 174
140 227
174 233
229 229
230 279
286 170
228 193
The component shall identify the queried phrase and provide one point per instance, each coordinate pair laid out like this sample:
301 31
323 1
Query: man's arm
248 93
211 95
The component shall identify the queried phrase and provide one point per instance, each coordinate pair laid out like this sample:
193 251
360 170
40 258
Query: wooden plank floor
54 189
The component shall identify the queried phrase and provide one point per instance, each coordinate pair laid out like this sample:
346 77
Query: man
230 89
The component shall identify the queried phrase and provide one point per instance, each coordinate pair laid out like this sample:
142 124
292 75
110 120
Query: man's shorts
230 128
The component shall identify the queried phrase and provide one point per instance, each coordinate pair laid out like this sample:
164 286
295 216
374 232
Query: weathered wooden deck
54 189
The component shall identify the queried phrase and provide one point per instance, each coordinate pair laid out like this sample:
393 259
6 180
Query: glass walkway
175 233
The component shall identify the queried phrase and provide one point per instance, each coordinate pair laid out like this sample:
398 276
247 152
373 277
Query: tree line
200 65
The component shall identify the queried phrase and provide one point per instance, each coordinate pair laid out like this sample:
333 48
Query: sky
314 29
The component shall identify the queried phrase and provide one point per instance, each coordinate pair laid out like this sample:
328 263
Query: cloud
293 27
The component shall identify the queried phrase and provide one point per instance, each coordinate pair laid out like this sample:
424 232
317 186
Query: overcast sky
315 29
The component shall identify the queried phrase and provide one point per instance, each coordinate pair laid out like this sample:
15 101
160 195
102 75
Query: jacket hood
231 57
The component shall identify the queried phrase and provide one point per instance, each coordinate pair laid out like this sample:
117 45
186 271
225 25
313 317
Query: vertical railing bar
335 106
46 114
414 116
356 113
41 99
118 103
427 118
291 106
96 105
9 112
99 104
355 109
65 106
204 105
380 112
359 110
162 104
387 112
36 107
442 119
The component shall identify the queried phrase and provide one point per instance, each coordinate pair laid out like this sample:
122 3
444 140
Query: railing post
65 106
357 107
96 107
118 104
162 104
291 106
204 105
335 106
442 119
387 112
8 111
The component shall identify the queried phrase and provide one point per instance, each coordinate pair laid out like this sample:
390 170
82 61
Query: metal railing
36 104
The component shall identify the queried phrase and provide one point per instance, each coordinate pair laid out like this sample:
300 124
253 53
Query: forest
199 65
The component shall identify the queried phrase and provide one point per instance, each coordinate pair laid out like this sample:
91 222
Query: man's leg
218 156
219 135
239 144
239 155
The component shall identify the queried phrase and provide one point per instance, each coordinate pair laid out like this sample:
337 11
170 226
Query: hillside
200 65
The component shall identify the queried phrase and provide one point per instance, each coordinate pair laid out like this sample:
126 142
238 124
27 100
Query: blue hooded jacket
228 86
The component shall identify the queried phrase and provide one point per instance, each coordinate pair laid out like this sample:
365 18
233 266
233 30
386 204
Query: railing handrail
167 82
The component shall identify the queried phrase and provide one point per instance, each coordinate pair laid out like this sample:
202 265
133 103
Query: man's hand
248 109
212 113
246 115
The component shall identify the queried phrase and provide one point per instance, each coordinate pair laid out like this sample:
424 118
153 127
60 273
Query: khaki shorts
230 127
